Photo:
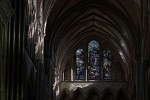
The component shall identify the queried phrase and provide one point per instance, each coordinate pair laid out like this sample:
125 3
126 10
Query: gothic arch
65 94
78 94
108 94
83 17
93 94
120 28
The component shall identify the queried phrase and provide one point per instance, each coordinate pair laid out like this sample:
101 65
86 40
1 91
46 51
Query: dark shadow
65 95
121 95
92 94
108 95
78 94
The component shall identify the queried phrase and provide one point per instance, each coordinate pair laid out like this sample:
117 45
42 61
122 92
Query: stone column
5 15
16 68
145 79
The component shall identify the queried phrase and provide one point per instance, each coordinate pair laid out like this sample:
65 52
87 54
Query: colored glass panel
93 60
106 64
79 64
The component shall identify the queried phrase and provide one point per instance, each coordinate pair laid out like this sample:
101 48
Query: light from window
106 64
93 60
79 64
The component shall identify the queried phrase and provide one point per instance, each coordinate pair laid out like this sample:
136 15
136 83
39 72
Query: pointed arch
93 60
80 64
108 94
78 94
107 64
93 94
65 94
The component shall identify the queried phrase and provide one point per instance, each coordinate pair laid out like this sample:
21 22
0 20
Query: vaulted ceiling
114 22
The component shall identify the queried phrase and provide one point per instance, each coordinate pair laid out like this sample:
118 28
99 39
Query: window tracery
93 63
79 64
106 64
93 60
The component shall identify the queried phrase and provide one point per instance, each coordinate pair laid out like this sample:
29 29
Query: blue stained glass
93 60
79 64
106 64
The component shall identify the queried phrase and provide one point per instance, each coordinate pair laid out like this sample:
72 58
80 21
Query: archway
93 94
65 95
78 94
108 95
69 25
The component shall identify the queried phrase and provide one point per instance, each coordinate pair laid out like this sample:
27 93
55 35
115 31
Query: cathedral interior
74 49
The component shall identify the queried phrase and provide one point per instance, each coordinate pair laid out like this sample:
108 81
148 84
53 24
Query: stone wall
100 87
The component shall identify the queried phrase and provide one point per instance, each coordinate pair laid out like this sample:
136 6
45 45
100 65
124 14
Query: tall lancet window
93 60
79 64
106 64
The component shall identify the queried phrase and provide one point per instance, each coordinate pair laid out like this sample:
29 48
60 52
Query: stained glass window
93 60
79 64
106 64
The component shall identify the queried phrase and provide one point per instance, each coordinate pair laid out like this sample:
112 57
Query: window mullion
86 64
72 73
101 66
